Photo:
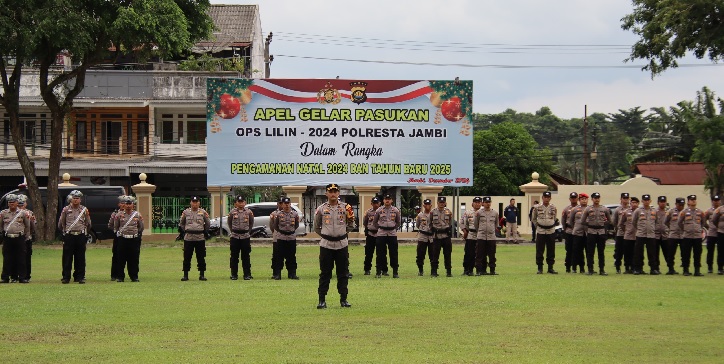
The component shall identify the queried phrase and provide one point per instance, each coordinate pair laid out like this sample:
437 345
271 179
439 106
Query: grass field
515 317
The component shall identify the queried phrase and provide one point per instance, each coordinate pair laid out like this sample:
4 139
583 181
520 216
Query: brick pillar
295 194
430 192
533 191
144 192
217 199
365 202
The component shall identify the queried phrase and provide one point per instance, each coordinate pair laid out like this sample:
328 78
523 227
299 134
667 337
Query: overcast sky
466 38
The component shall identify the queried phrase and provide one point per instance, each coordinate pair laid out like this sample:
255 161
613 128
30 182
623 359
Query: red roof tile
674 173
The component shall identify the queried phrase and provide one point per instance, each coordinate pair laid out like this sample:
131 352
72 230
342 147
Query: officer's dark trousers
596 242
423 248
328 258
485 255
671 252
129 252
720 251
29 257
568 244
711 247
74 251
687 245
545 243
652 253
240 247
370 245
579 246
116 271
629 246
664 248
618 252
383 243
200 247
286 256
445 245
14 251
469 256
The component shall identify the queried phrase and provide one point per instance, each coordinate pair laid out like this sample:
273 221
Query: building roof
234 27
673 173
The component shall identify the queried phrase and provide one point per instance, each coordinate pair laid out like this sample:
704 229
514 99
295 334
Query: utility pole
585 144
267 58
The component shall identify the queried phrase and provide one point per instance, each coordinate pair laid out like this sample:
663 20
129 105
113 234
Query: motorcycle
258 232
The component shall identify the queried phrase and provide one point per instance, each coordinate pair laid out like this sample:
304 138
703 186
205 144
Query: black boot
590 271
540 269
201 276
234 276
293 274
686 272
449 272
394 274
492 272
602 272
343 302
434 273
420 272
551 271
186 276
711 269
697 272
322 303
277 275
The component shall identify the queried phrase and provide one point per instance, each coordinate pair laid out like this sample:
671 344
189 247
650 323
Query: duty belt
425 232
194 231
472 230
387 227
591 227
552 226
13 236
334 238
130 236
239 231
287 232
76 232
372 231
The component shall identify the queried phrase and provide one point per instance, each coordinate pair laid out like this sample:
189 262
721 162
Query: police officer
370 234
711 234
276 249
240 220
579 232
467 222
511 222
675 234
595 218
284 225
115 261
718 221
22 204
386 220
644 222
14 227
486 219
194 225
441 218
128 225
568 231
544 219
660 233
691 223
74 223
424 236
332 221
618 247
625 226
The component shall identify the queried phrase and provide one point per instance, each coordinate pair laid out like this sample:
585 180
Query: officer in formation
628 239
595 218
276 250
240 220
74 223
618 249
712 235
370 234
284 224
578 232
424 236
14 228
544 219
718 221
22 204
332 221
674 235
194 226
386 221
644 223
441 218
128 225
568 230
486 219
660 233
691 222
467 222
115 273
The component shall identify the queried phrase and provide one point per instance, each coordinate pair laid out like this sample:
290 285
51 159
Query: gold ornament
435 99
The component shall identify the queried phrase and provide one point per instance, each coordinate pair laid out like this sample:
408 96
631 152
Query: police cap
11 197
417 207
595 195
691 197
634 199
286 200
427 202
573 195
487 199
22 199
679 200
547 194
76 193
375 199
441 199
240 198
387 196
662 199
477 199
195 199
715 198
646 197
624 195
332 187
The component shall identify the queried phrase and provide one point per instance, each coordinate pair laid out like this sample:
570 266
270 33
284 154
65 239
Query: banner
311 132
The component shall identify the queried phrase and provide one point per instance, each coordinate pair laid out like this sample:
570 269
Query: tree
34 32
706 126
668 29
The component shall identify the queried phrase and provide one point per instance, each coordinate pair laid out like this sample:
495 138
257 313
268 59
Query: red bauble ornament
452 109
229 106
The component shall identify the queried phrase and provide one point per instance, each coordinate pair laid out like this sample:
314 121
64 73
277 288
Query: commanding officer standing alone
691 223
424 236
486 219
240 220
467 223
441 218
194 225
370 234
284 224
74 223
14 225
332 221
128 226
387 219
544 219
595 218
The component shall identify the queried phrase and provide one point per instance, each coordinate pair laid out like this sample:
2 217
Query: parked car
261 211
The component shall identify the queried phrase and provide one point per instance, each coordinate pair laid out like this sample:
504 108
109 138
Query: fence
167 212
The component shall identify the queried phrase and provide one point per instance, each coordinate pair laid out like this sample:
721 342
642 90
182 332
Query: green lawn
515 317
